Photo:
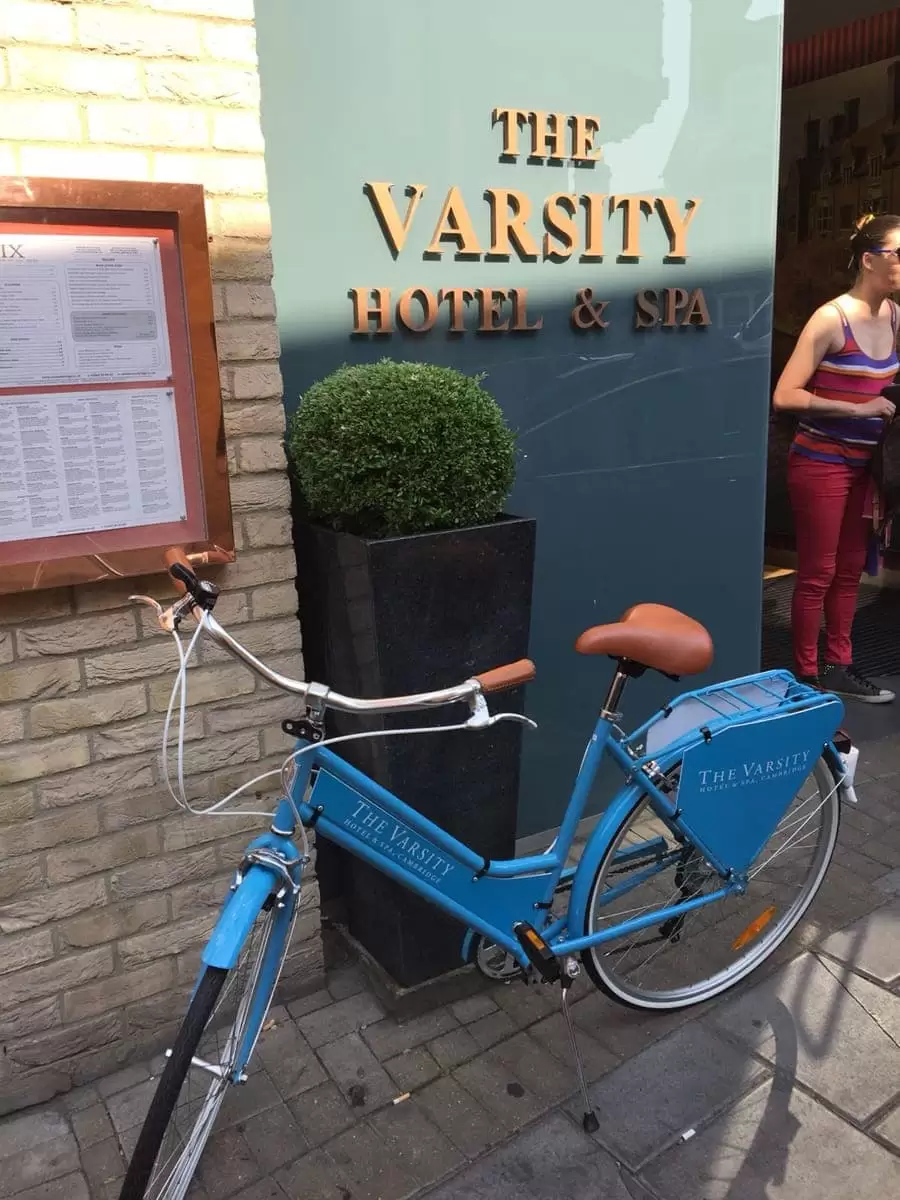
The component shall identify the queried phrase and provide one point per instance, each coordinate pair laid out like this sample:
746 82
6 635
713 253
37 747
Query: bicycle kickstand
570 972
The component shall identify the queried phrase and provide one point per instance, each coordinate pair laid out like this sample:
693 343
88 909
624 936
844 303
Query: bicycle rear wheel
710 949
198 1074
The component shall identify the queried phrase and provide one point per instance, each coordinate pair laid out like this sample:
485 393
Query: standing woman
843 358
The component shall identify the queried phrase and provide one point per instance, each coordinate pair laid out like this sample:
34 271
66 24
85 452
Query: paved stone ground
789 1087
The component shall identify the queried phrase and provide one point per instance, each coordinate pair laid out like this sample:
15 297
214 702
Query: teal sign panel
579 204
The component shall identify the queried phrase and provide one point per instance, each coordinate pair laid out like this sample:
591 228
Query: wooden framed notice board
112 443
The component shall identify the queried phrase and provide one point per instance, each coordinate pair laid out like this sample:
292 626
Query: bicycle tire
150 1175
598 960
170 1084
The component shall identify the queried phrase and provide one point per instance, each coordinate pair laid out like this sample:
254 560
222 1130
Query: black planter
408 614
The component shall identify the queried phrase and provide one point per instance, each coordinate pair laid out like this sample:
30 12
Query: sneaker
847 681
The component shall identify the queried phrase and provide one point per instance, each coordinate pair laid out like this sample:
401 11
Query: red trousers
828 500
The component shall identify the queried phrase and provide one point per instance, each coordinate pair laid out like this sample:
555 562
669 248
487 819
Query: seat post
610 709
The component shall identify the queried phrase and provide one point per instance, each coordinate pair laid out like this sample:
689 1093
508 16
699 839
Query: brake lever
481 717
513 717
167 618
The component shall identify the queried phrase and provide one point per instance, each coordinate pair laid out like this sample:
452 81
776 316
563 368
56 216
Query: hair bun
863 222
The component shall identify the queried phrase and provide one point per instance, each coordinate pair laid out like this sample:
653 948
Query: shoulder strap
845 325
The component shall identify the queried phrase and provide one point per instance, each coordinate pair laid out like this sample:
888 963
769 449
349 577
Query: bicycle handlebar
203 595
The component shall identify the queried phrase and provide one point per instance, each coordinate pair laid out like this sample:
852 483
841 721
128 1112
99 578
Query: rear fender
842 764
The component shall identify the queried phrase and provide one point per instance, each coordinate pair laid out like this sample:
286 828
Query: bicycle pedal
538 952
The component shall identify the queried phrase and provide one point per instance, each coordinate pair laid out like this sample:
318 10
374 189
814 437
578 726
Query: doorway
839 158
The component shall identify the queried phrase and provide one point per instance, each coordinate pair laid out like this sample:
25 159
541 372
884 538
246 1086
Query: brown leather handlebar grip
510 676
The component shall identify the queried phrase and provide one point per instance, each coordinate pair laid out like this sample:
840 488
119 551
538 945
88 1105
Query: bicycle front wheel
706 951
228 1006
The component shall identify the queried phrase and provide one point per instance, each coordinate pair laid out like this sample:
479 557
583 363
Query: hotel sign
587 226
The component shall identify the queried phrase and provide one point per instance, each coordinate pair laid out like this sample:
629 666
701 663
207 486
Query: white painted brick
68 1043
144 948
17 804
199 83
242 420
214 754
190 899
77 634
69 863
41 70
30 1017
96 782
35 606
12 725
205 684
250 493
182 833
115 993
40 120
159 875
239 175
276 741
19 875
243 218
248 714
263 566
151 658
39 681
149 123
232 43
121 812
83 162
240 341
70 825
125 31
249 300
275 600
237 131
235 10
82 712
267 529
26 950
9 163
261 454
260 381
136 737
39 22
57 976
112 922
34 760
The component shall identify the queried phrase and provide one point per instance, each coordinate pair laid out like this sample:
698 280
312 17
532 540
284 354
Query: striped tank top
851 375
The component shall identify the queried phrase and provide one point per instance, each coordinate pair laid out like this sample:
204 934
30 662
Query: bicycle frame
491 897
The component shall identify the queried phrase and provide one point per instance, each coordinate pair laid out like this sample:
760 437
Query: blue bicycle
698 869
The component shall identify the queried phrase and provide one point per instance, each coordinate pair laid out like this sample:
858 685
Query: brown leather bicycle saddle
654 636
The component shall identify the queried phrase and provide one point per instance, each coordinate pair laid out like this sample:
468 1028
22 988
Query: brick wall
105 889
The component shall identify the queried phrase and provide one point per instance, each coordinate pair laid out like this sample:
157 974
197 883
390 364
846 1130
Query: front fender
604 832
237 917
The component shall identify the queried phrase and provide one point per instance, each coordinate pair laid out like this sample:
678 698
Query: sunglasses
884 251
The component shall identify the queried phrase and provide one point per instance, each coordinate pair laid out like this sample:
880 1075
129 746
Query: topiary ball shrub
392 448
